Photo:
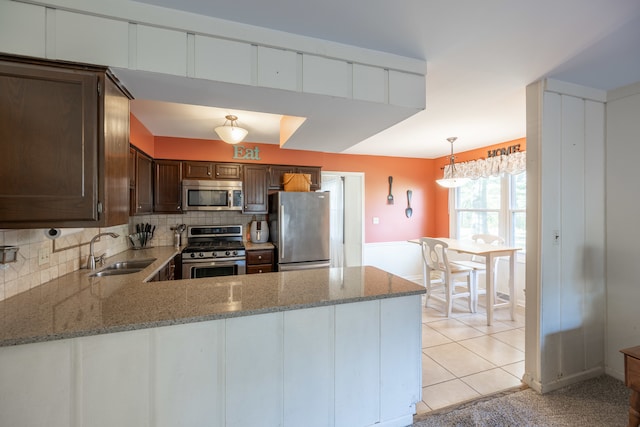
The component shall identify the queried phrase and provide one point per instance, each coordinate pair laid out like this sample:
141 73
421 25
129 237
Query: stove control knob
193 255
227 253
201 255
235 253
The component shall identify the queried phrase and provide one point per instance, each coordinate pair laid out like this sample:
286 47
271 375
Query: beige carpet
602 401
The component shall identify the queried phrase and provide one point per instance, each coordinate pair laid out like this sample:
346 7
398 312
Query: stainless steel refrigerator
299 229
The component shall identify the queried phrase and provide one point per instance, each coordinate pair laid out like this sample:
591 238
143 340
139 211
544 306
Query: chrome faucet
91 263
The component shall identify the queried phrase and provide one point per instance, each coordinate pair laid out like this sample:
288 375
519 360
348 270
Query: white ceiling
480 56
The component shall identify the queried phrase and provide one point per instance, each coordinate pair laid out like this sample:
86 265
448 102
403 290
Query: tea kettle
259 231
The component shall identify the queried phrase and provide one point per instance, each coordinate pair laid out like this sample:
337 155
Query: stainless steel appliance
211 195
213 251
299 229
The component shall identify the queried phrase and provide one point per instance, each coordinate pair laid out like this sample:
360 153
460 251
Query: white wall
623 233
565 234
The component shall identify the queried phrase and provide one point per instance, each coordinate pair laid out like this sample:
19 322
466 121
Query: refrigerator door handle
281 232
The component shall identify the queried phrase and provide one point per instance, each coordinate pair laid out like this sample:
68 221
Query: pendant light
231 134
451 178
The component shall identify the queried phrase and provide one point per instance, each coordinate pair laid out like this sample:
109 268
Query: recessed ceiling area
197 121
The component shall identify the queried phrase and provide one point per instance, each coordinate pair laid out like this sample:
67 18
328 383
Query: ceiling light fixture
451 178
231 134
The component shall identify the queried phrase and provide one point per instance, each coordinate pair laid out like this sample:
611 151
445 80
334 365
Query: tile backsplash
41 259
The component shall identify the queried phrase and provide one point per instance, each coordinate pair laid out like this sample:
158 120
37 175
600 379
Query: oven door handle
211 261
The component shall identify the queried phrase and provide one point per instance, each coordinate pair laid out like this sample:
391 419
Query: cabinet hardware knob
259 256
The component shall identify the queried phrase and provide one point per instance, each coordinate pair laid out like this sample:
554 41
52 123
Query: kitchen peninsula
312 347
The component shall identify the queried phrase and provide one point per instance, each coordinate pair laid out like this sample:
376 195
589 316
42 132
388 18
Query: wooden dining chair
478 265
444 281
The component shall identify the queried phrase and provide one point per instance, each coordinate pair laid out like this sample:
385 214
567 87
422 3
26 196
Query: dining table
490 252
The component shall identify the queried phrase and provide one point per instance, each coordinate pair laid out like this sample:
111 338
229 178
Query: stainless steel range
213 251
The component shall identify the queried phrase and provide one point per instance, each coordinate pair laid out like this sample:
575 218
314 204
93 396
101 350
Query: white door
347 216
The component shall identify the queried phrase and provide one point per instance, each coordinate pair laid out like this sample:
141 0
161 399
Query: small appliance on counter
259 232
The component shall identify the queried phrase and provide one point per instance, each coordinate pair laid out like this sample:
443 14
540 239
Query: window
494 205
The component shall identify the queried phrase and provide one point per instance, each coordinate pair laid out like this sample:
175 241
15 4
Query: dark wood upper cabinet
144 184
167 189
197 170
254 189
227 170
276 174
64 130
210 170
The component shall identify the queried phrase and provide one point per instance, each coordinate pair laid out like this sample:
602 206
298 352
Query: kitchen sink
130 264
115 272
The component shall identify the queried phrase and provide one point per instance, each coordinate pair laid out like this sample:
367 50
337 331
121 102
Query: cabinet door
168 176
275 175
198 170
315 173
49 134
144 189
254 189
259 261
132 167
228 171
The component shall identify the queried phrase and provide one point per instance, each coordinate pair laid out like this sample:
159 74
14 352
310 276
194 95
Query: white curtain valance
493 166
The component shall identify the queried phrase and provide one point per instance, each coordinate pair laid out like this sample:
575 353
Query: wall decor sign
243 153
504 151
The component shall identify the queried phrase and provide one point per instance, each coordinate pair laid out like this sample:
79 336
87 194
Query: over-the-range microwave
210 195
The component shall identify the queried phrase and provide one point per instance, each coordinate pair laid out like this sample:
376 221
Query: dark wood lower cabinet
259 261
168 272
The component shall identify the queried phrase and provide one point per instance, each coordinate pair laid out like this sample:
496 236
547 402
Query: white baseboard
562 382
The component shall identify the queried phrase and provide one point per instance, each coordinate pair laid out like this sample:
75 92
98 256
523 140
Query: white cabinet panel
254 371
357 390
160 50
369 83
308 367
407 90
91 39
223 60
401 336
39 384
189 375
22 28
114 386
326 76
277 68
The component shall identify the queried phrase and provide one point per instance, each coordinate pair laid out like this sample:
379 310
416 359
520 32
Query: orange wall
140 136
429 201
408 173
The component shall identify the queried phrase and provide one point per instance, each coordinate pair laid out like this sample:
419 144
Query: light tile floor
464 359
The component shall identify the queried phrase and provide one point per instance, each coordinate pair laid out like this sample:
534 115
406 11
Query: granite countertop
256 246
78 305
